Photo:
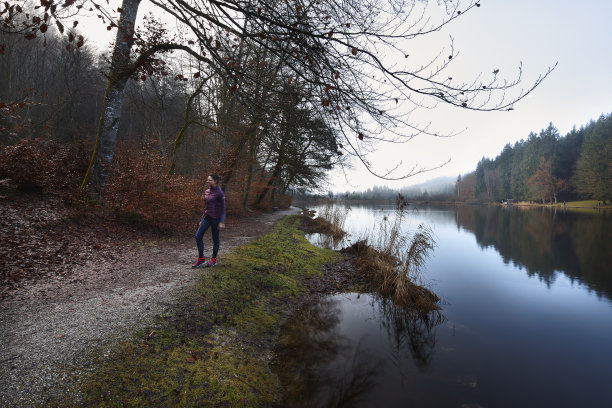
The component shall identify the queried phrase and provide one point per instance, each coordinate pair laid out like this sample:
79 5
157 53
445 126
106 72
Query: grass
216 346
334 217
585 203
331 220
393 264
594 204
214 349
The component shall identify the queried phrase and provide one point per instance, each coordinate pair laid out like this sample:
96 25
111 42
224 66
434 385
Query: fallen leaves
42 238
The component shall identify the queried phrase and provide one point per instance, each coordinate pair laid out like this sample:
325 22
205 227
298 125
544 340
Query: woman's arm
222 199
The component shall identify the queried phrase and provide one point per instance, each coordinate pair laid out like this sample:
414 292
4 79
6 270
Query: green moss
215 348
238 374
255 320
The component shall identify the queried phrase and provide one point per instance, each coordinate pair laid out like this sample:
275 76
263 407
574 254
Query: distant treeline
441 190
438 192
545 168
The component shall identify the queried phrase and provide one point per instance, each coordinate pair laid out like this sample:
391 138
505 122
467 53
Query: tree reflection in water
320 364
545 241
328 241
409 328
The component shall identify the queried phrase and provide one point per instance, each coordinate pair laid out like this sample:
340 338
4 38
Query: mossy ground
214 349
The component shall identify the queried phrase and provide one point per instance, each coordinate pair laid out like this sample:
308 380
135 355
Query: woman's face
211 182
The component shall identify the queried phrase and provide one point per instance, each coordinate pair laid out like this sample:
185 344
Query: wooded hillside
547 167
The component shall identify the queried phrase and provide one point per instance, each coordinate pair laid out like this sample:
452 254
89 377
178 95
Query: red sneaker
199 262
212 262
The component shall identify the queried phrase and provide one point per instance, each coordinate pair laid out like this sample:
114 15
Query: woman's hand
221 225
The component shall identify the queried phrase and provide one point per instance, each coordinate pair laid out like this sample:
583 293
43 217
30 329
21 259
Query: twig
10 358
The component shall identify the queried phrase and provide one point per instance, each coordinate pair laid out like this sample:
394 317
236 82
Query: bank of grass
583 204
392 267
214 349
329 221
591 204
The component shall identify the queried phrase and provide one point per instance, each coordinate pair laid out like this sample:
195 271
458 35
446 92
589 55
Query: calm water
527 319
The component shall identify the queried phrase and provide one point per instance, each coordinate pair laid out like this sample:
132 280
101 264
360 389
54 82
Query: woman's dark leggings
204 224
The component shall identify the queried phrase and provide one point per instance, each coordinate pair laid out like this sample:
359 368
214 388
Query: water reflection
412 331
545 241
328 354
310 341
328 241
542 241
508 339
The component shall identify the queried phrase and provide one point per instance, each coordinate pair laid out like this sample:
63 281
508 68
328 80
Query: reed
393 263
330 221
335 215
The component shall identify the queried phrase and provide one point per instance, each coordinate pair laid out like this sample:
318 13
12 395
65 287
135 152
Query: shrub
139 189
43 165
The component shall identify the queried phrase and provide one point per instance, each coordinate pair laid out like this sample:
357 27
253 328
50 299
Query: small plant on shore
394 261
336 216
330 221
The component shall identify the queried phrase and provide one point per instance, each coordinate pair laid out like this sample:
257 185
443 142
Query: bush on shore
393 263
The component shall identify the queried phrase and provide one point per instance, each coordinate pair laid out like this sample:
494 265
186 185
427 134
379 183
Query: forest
174 131
545 168
269 97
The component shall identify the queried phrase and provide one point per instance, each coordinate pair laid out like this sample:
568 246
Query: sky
577 36
499 35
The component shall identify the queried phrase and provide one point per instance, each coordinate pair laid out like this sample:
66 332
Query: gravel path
48 328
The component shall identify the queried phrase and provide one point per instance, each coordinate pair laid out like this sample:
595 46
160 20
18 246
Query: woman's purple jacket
215 204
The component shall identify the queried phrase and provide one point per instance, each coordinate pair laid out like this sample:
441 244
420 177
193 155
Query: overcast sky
499 35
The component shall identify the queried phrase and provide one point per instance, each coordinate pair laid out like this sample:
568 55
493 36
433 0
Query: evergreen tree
547 166
568 153
593 176
504 172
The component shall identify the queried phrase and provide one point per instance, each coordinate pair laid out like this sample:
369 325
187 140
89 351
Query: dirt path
47 328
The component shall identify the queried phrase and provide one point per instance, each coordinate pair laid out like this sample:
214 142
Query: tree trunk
108 125
270 185
178 141
249 177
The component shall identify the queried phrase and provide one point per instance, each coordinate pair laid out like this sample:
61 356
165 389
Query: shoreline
568 205
50 326
201 337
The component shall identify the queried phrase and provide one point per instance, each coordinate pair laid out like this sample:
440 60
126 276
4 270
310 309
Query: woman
213 217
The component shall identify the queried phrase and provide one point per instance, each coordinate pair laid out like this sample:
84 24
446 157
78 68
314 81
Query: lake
526 318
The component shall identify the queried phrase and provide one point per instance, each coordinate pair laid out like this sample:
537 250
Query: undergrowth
332 218
393 263
215 348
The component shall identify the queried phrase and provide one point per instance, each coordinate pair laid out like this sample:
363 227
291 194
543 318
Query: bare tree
351 56
60 85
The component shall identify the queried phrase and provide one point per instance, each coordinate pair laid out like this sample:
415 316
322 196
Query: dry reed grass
392 264
394 261
330 221
333 217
